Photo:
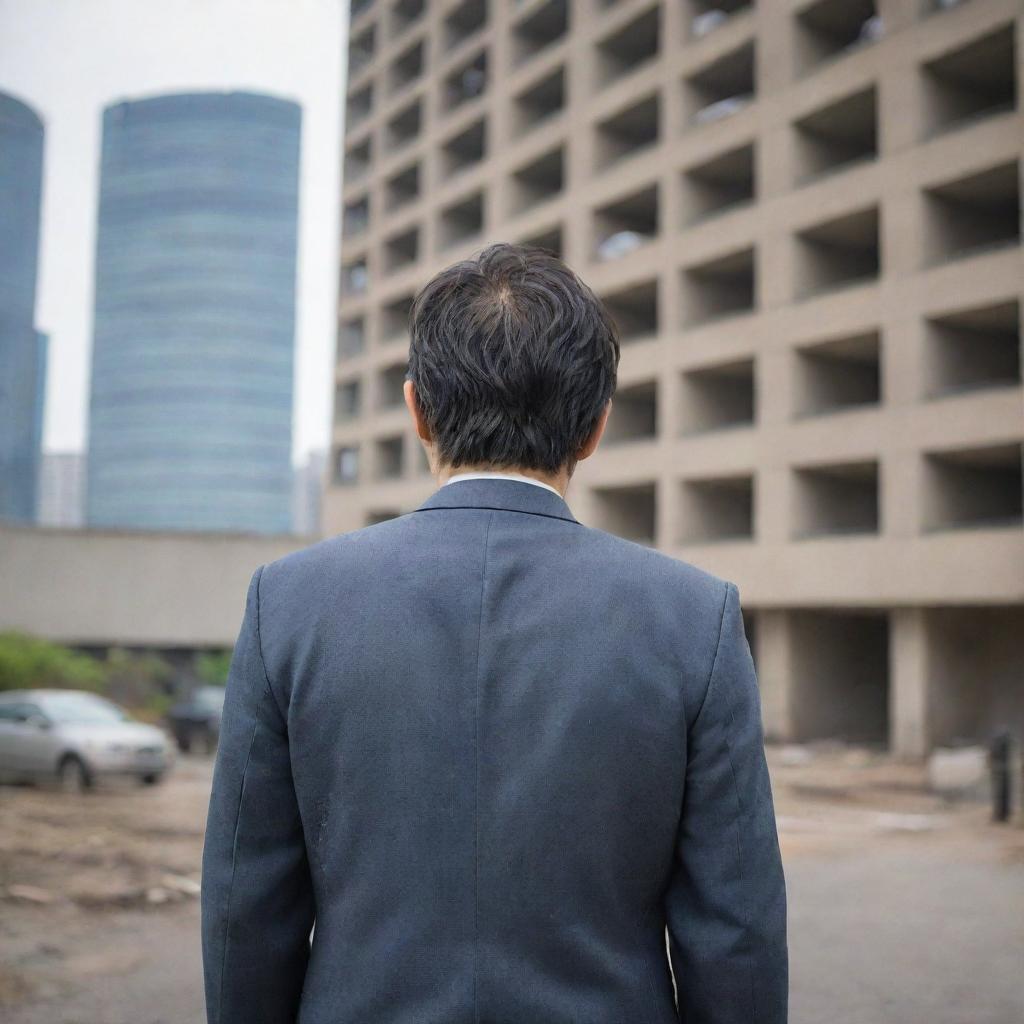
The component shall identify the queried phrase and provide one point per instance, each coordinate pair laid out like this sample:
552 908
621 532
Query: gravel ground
904 908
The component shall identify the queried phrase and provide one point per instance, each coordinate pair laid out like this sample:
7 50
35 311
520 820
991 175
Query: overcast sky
70 58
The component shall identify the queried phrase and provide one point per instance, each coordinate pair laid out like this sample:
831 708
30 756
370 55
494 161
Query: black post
999 766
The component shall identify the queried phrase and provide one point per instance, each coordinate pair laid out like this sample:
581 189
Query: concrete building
166 590
62 489
308 495
194 339
805 217
22 348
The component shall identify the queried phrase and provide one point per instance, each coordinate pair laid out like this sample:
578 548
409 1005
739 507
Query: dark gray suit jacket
492 753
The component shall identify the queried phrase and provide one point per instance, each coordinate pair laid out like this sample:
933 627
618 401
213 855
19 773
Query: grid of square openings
429 100
458 131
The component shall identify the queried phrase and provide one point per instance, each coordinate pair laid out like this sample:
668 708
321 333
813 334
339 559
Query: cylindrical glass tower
22 363
194 334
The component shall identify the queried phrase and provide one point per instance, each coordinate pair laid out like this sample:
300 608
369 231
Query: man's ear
590 445
422 429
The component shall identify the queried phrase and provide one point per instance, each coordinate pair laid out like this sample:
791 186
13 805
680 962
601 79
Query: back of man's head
513 359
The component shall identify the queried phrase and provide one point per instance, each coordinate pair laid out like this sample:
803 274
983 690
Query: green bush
143 682
28 662
212 667
139 680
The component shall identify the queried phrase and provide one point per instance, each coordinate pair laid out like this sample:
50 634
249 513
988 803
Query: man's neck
559 481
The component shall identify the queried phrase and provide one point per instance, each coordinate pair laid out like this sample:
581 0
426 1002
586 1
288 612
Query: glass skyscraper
22 348
194 335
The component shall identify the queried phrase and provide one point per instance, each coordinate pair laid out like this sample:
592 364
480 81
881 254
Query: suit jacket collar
512 495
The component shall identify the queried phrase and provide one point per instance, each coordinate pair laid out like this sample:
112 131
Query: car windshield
210 697
82 708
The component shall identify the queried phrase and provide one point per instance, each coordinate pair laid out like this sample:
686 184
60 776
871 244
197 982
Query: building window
346 465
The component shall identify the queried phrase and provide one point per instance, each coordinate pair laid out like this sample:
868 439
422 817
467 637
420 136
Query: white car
74 737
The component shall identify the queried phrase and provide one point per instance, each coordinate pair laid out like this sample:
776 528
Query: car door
16 736
43 741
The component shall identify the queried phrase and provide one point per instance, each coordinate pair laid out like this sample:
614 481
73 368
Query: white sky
70 58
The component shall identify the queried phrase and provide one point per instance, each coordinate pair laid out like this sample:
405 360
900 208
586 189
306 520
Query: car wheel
73 775
152 779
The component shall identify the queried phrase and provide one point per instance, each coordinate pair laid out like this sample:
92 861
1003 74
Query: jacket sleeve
256 899
726 901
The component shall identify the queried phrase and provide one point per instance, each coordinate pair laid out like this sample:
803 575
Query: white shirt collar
500 476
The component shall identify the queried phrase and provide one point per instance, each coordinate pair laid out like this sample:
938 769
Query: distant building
42 364
22 348
193 353
307 494
62 489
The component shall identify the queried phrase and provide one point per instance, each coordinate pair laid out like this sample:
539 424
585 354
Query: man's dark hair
513 359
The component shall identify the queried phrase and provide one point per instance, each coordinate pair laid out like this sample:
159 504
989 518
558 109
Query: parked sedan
75 737
195 722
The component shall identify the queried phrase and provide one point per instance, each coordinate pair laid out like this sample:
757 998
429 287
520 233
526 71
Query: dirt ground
903 907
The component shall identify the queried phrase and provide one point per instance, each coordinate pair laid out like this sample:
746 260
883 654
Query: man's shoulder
341 550
632 558
617 561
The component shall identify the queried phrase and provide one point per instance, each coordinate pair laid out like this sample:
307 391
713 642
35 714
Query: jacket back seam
476 757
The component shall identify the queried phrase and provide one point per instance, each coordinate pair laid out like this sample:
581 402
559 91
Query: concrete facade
133 588
805 217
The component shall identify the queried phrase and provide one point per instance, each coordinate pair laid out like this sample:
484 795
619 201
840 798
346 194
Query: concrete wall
98 587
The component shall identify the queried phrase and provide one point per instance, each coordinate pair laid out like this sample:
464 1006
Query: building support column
909 690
